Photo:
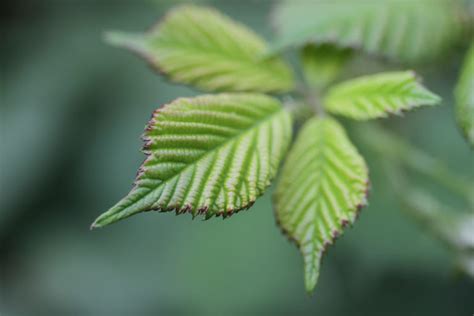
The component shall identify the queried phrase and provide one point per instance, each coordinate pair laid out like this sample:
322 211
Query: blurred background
72 110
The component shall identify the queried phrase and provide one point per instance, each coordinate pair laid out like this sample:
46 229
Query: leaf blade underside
322 64
464 95
202 47
406 31
322 187
211 155
376 96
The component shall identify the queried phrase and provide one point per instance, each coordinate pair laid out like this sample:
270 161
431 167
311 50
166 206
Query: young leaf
202 47
323 63
465 97
408 31
211 155
376 96
323 185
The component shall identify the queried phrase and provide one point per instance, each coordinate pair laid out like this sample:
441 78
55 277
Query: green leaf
465 97
376 96
408 31
323 185
211 155
323 63
202 47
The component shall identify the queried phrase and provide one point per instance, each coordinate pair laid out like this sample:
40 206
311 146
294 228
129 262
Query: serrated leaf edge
188 209
434 98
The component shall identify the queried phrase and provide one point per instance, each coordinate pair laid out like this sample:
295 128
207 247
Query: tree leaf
323 63
465 97
211 155
323 185
408 31
376 96
202 47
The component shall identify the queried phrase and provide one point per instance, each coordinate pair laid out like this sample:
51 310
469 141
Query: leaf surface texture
202 47
211 155
323 185
376 96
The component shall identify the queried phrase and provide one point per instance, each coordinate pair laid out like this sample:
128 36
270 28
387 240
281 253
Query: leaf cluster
215 154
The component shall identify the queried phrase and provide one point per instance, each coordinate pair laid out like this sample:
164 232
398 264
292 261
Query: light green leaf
376 96
465 97
200 46
323 63
211 155
323 185
408 31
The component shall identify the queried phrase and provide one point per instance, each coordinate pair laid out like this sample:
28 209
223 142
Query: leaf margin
139 43
332 99
311 280
112 215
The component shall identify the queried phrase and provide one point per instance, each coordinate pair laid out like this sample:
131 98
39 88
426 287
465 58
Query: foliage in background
398 30
465 97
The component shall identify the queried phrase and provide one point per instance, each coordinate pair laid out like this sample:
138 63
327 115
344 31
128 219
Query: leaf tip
97 223
310 277
103 220
431 97
132 41
436 99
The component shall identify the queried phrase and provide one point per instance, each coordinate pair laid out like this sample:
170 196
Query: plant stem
438 219
395 149
314 101
306 104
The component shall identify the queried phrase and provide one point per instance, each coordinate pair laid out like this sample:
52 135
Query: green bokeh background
72 110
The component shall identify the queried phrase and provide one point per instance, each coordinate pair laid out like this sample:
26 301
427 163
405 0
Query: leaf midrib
319 147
